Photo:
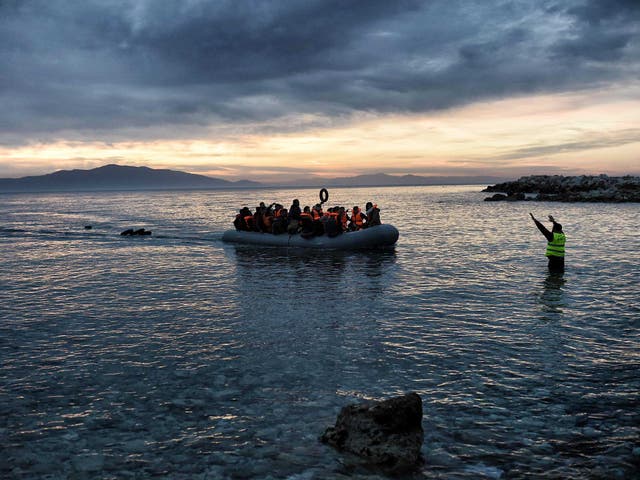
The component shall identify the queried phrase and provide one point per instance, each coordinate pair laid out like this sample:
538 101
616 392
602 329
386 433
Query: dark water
177 356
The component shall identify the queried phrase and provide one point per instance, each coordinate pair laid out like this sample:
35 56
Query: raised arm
548 235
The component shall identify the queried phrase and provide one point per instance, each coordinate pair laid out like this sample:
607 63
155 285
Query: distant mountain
384 180
116 177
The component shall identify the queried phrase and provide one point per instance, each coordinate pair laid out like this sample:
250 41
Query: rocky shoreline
558 188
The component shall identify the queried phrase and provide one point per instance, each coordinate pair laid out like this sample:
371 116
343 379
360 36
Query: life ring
324 195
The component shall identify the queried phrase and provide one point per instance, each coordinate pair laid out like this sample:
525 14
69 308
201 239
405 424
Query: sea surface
177 356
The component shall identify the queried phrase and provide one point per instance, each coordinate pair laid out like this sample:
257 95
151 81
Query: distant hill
384 180
117 177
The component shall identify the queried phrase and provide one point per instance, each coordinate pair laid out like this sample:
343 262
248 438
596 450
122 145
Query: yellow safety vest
555 248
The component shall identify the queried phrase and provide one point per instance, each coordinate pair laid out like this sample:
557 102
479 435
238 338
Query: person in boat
244 220
294 217
238 222
373 215
358 219
342 219
317 214
555 244
267 219
257 218
280 221
306 222
329 222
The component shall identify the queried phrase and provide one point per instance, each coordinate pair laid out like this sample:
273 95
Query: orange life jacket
356 218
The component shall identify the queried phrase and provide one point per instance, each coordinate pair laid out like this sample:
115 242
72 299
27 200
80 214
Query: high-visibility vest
555 248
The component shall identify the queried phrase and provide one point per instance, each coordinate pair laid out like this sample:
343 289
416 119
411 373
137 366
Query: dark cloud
601 31
120 69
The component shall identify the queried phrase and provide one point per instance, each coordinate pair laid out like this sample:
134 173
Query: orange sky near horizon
587 132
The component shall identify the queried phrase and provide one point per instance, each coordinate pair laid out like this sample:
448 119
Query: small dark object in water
512 197
497 197
88 227
132 232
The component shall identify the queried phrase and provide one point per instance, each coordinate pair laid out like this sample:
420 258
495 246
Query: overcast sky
259 88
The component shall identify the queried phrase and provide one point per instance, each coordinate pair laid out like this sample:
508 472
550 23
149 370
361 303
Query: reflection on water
552 299
177 356
314 270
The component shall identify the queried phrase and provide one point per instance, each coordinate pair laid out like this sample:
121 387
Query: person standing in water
555 244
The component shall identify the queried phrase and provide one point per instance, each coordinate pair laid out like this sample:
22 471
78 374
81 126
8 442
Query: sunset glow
577 133
423 88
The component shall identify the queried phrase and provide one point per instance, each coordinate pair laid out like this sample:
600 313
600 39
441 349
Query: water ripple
178 356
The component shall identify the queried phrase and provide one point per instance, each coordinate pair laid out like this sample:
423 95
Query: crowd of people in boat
307 221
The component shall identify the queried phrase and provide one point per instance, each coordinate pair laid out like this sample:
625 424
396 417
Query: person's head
296 202
557 228
356 209
307 209
369 206
262 204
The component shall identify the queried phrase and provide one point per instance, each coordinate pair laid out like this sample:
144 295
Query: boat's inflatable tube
378 236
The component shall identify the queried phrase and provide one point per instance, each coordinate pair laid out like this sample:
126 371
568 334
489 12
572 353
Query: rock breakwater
583 188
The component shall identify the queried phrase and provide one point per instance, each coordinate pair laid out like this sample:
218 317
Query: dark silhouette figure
555 244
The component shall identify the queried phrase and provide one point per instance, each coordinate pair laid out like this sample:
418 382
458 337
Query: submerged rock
497 197
584 188
387 434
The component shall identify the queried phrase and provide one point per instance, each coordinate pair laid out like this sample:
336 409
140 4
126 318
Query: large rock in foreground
584 188
386 434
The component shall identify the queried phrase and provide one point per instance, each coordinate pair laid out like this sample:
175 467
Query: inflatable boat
373 237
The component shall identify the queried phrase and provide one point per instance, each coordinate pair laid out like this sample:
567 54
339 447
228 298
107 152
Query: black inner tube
324 195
